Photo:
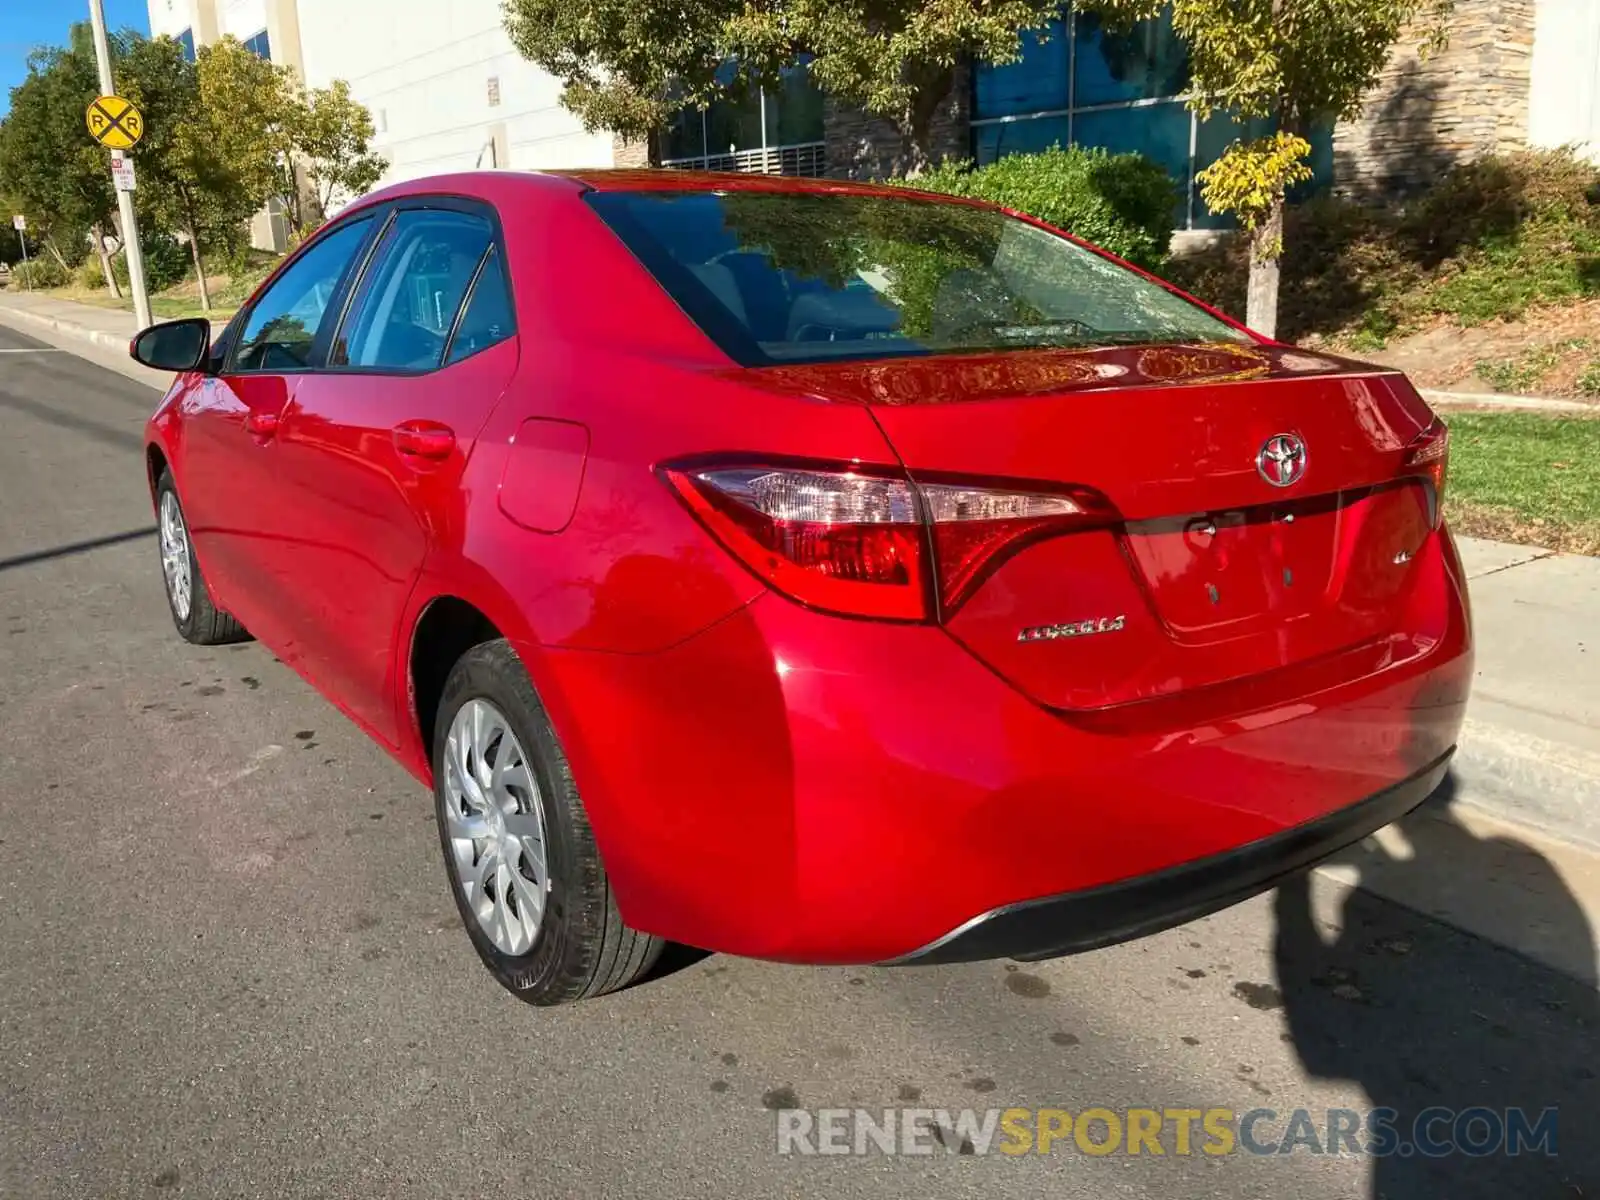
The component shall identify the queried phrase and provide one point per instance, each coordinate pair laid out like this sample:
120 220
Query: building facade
446 90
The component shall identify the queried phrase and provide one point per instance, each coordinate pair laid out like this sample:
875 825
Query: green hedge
1124 203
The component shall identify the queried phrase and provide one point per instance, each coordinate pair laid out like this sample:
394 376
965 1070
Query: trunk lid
1213 573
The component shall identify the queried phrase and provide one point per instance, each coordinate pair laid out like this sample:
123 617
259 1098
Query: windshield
806 277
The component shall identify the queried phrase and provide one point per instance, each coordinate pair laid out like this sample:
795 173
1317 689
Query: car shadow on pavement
1451 1032
73 548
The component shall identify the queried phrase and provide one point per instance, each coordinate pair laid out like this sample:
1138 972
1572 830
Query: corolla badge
1282 460
1072 629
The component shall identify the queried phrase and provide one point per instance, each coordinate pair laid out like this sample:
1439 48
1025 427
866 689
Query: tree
1293 64
194 174
329 136
58 178
629 65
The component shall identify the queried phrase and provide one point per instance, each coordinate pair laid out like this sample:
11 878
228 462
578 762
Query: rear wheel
520 856
197 617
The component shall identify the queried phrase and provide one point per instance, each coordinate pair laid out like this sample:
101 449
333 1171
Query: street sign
19 223
121 171
114 122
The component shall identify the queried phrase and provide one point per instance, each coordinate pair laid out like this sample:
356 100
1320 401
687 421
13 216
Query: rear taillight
874 545
1428 457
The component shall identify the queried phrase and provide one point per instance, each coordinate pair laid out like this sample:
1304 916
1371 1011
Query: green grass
1526 477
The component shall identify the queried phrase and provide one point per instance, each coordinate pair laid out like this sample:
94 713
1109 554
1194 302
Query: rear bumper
1118 912
807 788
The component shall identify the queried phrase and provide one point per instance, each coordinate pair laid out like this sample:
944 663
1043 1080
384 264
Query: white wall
172 17
1564 102
243 18
423 68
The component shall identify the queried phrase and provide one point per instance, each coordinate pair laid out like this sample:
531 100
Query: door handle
424 439
261 423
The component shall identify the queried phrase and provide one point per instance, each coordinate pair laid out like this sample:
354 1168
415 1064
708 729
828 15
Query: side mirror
173 345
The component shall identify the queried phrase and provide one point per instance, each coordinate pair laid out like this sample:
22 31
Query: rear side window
805 277
488 316
281 328
406 303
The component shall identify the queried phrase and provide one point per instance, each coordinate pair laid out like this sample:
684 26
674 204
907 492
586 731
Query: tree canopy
53 173
629 65
224 134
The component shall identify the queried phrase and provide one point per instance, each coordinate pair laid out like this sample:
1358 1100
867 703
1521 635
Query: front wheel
520 856
197 617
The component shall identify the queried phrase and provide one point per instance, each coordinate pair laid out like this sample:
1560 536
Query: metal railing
802 158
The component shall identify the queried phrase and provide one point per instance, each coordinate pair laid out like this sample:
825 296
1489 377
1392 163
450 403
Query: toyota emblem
1282 460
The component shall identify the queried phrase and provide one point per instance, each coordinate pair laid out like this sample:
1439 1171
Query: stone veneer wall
626 153
1427 114
861 146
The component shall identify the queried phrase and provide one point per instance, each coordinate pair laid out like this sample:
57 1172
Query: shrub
166 262
90 274
1124 203
38 273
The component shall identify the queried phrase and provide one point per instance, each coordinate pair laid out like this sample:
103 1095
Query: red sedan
820 572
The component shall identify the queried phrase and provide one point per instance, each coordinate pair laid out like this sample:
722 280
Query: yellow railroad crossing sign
114 122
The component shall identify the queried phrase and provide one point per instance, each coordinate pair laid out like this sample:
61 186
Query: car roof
652 179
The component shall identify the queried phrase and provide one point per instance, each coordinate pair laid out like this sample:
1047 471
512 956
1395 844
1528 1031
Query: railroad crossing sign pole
130 224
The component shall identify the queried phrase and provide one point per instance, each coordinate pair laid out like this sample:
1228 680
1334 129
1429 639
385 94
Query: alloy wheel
175 556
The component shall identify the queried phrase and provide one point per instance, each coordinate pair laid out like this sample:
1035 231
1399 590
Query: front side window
279 333
779 278
405 306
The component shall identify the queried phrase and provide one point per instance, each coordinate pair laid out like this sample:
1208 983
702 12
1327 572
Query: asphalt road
229 966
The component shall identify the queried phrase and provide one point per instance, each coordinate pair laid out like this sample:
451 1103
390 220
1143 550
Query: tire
580 948
203 623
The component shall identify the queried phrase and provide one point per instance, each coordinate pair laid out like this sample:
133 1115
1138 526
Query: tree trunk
50 245
199 270
1266 249
105 260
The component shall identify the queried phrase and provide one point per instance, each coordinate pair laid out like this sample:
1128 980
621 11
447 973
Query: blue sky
25 24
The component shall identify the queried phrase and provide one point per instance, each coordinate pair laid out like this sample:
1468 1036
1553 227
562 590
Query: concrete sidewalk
112 328
1530 752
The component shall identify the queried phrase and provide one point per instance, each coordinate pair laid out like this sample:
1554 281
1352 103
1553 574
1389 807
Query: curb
1531 782
1499 400
69 328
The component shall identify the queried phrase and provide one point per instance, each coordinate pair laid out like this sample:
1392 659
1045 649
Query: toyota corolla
820 572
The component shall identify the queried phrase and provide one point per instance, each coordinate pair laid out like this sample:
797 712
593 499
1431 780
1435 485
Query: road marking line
33 350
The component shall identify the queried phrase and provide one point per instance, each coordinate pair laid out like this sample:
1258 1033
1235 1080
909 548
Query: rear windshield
796 277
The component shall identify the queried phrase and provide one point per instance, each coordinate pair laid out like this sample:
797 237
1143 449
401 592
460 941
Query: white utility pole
130 225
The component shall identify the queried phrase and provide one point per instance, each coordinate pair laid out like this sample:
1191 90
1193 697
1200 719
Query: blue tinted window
186 40
1036 81
259 45
1018 137
1142 63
